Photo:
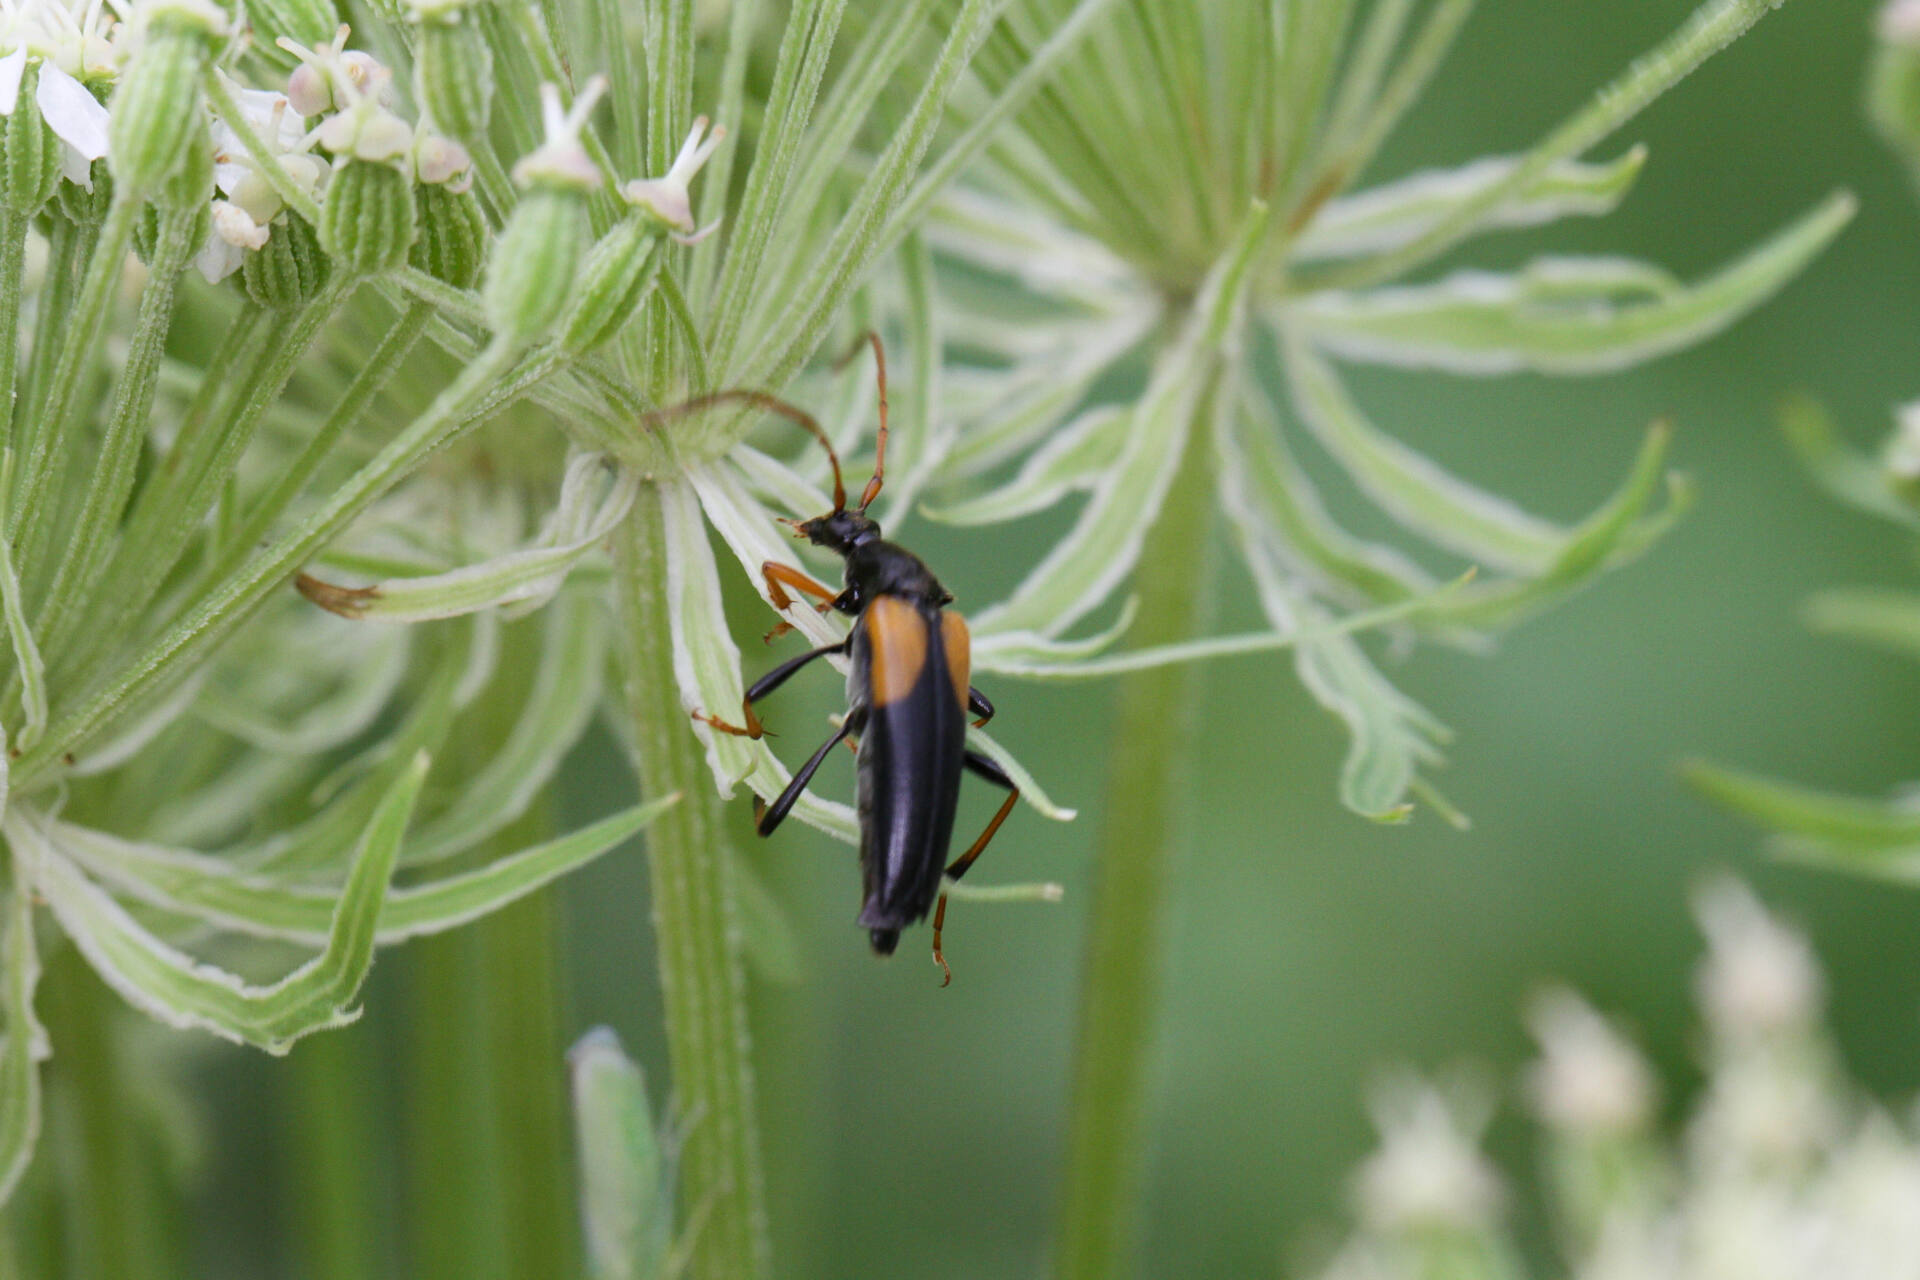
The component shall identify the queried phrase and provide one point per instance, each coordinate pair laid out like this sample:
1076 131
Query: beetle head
839 531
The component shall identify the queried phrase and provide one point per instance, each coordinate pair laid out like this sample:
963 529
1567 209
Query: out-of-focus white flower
1589 1081
1428 1171
1899 22
1759 978
1902 453
667 197
67 41
1765 1112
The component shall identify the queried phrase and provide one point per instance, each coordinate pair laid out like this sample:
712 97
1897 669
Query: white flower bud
1759 977
1589 1081
561 160
667 197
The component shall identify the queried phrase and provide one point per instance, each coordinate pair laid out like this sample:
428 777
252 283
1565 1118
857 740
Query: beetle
908 698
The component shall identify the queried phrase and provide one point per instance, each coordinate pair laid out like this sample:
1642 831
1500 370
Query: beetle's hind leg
978 705
768 816
985 768
765 685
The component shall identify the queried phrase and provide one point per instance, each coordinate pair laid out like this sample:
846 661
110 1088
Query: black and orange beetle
908 699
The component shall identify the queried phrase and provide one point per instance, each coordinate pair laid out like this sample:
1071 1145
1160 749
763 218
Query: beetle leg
781 576
985 768
768 816
977 703
765 685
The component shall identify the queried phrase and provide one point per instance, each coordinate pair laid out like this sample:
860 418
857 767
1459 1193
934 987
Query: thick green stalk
696 926
120 1218
1153 739
335 1192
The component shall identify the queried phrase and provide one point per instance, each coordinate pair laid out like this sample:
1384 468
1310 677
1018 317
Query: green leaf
1844 823
1397 213
529 577
250 703
1030 791
25 1047
1037 664
1072 458
1860 481
798 69
31 671
1712 27
1558 316
1100 550
626 1195
316 842
1250 445
1606 539
1034 73
180 991
783 340
559 706
215 891
1392 736
1888 620
705 659
1412 488
1031 399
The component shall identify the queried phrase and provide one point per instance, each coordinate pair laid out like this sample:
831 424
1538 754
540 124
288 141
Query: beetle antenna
872 490
772 404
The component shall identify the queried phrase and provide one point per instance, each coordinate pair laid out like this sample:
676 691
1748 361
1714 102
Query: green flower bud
530 272
29 151
146 230
290 269
188 188
159 90
307 22
191 182
83 207
367 220
453 76
619 272
452 244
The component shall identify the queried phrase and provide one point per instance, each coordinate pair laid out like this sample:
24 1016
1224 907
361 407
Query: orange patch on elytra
959 646
897 644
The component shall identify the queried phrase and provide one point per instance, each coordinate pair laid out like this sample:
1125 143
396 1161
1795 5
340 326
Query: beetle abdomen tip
884 940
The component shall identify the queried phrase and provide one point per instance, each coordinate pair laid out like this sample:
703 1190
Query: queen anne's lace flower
67 42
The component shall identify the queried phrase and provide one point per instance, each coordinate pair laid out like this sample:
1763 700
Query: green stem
115 462
83 337
375 371
215 614
696 926
13 252
1153 739
120 1217
334 1178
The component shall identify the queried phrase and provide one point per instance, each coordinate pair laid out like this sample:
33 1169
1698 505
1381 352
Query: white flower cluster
73 45
338 104
1784 1171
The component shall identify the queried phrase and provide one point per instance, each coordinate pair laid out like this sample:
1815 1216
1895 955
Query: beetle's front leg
778 578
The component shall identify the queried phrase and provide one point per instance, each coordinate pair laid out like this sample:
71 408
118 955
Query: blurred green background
914 1131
